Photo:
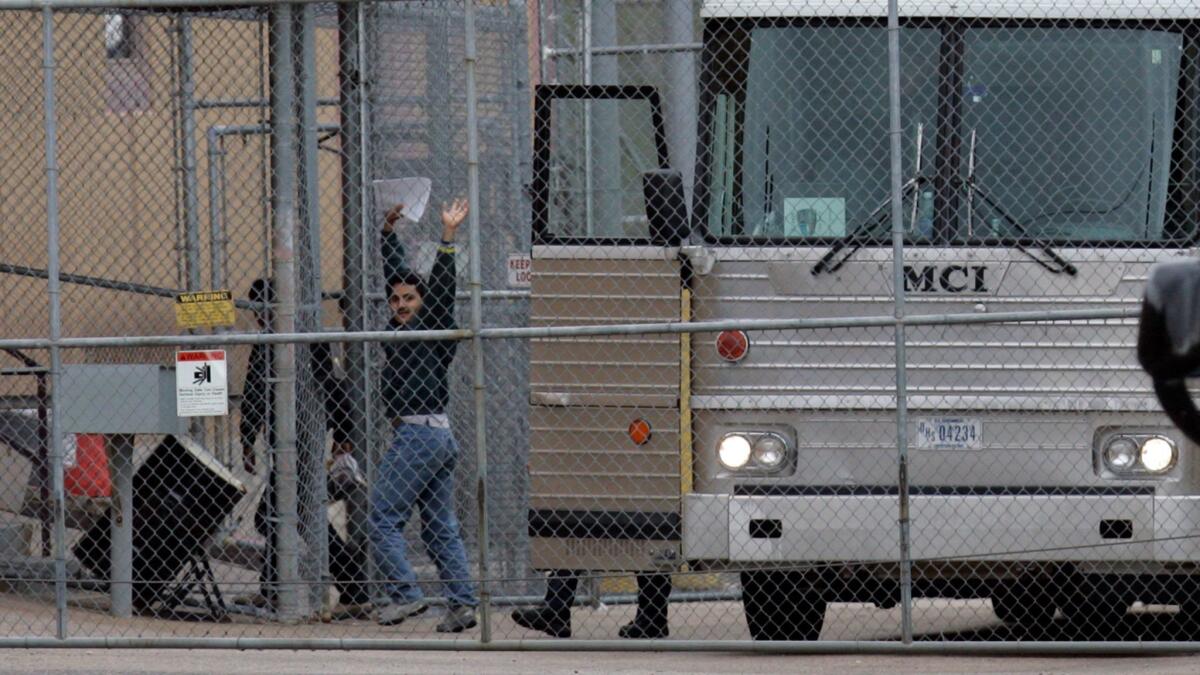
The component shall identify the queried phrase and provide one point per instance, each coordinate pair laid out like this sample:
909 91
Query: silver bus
1051 155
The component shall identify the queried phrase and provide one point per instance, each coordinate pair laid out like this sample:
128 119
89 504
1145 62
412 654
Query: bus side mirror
1169 339
666 207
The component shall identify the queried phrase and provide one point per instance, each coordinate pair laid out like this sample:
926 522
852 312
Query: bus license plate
949 433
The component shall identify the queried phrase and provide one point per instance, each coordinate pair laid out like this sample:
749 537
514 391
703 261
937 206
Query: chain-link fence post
311 414
283 172
895 134
54 292
476 284
355 251
120 462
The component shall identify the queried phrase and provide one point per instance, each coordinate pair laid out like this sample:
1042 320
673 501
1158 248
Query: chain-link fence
725 322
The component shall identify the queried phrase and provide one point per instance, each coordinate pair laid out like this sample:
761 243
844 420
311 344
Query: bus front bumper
989 527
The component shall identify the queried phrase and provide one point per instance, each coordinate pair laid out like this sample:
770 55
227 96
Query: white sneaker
457 619
397 612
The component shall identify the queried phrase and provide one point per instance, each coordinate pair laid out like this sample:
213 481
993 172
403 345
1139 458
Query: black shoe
648 630
555 623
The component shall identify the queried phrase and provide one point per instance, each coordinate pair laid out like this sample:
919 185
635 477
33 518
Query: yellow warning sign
204 309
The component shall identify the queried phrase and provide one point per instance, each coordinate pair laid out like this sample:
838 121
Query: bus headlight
1125 453
770 451
1120 454
734 451
1157 454
755 452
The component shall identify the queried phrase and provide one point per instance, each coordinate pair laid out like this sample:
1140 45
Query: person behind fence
553 616
257 414
417 470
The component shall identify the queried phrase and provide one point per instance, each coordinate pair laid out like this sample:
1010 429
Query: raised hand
393 215
453 216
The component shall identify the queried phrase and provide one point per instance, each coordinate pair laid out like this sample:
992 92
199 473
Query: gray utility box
117 399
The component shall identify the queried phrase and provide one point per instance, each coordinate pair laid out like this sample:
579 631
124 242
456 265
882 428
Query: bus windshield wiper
865 232
1055 263
868 230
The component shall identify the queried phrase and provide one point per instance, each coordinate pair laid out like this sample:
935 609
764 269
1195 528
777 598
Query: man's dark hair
261 290
408 279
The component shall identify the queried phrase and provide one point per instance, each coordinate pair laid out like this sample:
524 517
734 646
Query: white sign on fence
201 383
520 270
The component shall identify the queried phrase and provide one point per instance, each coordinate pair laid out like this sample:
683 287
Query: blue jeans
418 471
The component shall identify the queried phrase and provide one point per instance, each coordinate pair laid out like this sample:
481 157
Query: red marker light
639 432
732 345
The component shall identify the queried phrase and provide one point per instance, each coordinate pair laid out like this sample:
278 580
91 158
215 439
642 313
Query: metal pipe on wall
284 163
216 227
187 129
215 150
479 381
54 293
207 104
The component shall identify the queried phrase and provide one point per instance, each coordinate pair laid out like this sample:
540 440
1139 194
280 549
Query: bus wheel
1028 604
1095 603
783 605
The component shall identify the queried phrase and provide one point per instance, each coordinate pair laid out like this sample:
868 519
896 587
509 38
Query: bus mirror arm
1169 339
666 207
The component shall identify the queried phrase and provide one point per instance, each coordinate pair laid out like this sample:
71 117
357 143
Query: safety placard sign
204 309
520 270
201 383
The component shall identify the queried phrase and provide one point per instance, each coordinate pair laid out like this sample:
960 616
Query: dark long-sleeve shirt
258 395
414 374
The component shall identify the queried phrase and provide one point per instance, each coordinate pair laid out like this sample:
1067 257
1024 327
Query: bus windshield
1057 133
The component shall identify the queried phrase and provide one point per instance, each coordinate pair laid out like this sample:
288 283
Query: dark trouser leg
560 590
264 523
653 592
346 568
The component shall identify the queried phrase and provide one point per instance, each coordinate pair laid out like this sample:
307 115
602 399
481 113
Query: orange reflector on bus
639 431
732 345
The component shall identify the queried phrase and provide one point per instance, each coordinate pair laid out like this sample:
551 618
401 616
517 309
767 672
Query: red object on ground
89 476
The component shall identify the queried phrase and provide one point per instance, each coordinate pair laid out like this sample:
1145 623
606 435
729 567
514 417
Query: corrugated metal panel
582 458
971 367
577 291
586 391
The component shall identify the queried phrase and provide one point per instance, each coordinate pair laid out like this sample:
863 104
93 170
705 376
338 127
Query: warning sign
204 309
520 270
201 383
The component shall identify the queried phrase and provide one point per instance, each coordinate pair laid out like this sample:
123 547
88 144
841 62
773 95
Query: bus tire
1095 603
782 605
1029 605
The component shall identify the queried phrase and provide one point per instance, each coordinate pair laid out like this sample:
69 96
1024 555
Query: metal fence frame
476 333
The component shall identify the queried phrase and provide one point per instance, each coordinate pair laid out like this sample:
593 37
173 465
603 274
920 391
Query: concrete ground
23 615
437 663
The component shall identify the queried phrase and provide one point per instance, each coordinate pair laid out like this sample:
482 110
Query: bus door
604 461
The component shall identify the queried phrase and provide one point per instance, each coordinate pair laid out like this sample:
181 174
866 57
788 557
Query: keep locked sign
201 383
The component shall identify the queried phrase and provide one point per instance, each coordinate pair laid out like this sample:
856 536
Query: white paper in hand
413 193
